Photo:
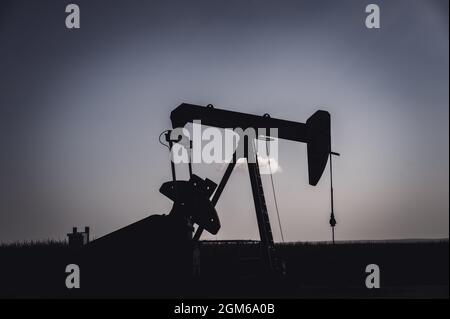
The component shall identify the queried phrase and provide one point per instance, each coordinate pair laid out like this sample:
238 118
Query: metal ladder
265 231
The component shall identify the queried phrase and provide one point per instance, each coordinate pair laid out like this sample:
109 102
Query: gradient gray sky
80 111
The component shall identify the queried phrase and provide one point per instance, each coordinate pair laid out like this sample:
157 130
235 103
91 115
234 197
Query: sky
81 111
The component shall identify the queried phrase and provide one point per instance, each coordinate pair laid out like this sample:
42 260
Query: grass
37 268
49 243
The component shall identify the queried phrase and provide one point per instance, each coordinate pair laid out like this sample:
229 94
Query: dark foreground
230 270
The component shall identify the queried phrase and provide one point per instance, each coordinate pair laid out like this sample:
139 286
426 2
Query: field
229 269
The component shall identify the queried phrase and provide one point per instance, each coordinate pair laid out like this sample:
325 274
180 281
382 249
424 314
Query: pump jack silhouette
170 239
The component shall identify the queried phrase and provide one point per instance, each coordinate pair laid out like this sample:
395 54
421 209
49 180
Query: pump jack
315 133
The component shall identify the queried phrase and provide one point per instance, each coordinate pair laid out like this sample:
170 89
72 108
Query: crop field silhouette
409 269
